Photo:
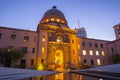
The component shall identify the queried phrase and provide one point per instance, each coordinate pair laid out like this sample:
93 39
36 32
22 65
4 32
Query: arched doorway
59 60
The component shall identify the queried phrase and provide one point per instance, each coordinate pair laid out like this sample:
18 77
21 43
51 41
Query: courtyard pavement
15 73
109 72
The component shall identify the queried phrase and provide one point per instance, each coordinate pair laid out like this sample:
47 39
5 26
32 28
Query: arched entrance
59 60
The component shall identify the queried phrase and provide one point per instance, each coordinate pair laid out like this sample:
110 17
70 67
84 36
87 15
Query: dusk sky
97 16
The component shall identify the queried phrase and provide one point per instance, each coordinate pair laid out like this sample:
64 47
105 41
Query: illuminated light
81 77
63 21
103 54
43 50
43 38
59 39
52 19
59 76
100 79
8 49
98 62
78 46
97 53
84 52
58 20
91 52
59 60
46 20
68 69
40 67
119 35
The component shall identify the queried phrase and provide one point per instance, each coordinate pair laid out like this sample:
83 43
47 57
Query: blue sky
97 16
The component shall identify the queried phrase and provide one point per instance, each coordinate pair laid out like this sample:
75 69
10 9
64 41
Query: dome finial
54 7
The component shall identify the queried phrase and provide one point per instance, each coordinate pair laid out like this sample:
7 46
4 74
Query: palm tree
9 56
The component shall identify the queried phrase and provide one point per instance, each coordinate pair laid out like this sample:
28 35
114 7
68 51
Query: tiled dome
55 16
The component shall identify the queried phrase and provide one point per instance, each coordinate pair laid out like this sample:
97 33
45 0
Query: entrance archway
59 60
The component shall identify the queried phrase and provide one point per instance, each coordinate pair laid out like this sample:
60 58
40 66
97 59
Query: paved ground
111 72
15 73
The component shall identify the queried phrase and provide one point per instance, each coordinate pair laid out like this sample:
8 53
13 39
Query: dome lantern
54 7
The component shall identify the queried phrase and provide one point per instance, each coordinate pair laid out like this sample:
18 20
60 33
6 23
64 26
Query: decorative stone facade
56 46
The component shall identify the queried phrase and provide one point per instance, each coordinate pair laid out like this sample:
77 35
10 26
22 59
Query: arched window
52 19
59 39
43 38
46 20
58 20
98 62
92 62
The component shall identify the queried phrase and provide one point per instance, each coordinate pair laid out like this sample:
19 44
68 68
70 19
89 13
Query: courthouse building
58 46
